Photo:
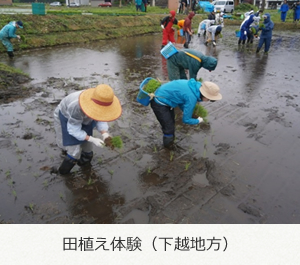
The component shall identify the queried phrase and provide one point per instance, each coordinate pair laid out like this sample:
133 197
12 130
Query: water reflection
91 200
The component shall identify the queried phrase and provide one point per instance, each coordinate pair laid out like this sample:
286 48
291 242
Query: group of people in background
209 28
285 8
251 26
141 5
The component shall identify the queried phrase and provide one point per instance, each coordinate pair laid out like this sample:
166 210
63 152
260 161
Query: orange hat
100 103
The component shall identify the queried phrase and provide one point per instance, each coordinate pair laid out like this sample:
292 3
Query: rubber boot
186 45
168 141
67 165
10 54
257 50
85 158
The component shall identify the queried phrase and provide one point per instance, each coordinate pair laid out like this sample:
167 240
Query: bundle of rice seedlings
151 86
117 142
200 111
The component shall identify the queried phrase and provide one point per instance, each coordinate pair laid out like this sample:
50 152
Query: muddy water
243 168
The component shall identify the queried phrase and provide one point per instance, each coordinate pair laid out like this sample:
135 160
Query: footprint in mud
249 210
222 148
274 115
251 126
151 178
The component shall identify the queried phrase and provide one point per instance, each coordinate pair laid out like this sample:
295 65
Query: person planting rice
75 118
168 32
266 33
213 32
183 94
191 60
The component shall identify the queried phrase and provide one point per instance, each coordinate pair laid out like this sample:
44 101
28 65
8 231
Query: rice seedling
149 170
187 165
7 173
154 149
11 182
200 111
111 172
171 155
117 142
45 183
99 160
14 193
89 182
31 206
151 86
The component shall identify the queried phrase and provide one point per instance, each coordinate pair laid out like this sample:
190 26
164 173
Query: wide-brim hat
210 90
100 103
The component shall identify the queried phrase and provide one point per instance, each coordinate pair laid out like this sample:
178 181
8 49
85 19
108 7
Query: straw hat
100 103
210 90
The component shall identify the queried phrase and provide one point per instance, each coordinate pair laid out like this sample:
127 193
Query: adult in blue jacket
7 33
296 7
245 27
183 94
191 60
284 9
266 33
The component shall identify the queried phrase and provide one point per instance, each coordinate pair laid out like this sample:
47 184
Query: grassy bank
61 28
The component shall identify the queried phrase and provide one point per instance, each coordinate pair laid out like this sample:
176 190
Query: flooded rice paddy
242 168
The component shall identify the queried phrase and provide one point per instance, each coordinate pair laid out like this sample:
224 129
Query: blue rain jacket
284 8
180 93
266 31
6 33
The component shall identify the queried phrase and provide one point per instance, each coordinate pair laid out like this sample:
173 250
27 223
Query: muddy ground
241 168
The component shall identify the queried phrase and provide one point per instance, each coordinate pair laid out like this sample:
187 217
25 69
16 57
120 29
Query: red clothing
168 31
188 22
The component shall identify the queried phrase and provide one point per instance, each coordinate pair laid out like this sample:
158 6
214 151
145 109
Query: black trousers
166 117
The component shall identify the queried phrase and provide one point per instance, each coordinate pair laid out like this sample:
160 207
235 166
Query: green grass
8 69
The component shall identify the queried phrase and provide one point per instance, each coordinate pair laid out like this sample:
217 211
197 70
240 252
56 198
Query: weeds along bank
51 30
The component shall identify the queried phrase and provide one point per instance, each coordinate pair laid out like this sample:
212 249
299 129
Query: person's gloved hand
105 135
245 32
200 119
96 141
214 43
162 26
107 140
18 37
